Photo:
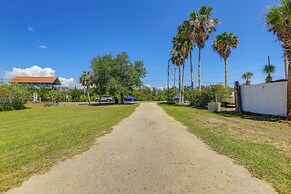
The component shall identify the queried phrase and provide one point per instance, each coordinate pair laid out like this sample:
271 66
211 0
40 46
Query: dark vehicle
129 99
104 99
174 99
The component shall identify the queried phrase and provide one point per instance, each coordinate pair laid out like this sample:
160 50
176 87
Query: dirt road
149 152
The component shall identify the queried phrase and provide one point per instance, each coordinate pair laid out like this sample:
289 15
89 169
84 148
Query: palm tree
186 35
247 76
177 59
269 69
278 20
181 46
223 45
86 80
204 26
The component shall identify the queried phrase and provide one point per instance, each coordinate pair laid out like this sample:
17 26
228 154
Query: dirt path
149 152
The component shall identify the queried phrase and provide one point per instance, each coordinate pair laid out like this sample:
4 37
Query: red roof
29 79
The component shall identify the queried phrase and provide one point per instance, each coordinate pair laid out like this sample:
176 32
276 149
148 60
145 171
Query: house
49 82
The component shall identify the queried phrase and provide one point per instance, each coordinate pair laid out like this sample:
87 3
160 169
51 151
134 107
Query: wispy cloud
43 46
30 29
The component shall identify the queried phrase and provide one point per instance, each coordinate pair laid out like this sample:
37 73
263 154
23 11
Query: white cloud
31 71
30 29
42 72
43 46
70 83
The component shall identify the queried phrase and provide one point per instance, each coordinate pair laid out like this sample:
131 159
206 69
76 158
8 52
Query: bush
208 94
13 97
200 99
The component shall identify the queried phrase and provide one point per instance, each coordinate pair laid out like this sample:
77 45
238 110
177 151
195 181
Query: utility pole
168 80
269 61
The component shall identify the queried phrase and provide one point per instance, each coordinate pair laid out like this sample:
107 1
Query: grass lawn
33 140
264 147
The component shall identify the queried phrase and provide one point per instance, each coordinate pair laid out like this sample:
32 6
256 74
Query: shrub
208 94
13 97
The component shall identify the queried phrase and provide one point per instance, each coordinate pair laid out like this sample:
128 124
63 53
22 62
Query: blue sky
64 35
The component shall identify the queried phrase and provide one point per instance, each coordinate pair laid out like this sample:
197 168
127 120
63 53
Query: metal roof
34 80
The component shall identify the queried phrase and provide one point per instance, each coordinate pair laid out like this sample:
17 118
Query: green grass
33 140
262 146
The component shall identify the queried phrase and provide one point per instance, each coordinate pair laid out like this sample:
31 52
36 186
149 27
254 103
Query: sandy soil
149 152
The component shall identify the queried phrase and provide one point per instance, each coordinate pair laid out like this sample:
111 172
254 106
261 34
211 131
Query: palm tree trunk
179 84
226 73
289 88
183 82
121 98
168 80
175 80
286 65
191 71
199 69
88 96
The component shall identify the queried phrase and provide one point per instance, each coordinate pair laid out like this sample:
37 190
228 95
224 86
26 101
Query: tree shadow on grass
251 116
245 115
109 104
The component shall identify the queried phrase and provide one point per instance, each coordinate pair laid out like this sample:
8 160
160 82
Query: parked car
129 99
104 99
174 99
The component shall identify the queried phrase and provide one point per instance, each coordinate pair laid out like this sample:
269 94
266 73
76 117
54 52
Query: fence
270 98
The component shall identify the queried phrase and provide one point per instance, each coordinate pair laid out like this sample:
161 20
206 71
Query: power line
238 67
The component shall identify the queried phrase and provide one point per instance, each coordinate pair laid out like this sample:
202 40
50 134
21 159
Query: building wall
270 99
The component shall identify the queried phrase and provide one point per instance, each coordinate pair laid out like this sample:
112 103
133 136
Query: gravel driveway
149 152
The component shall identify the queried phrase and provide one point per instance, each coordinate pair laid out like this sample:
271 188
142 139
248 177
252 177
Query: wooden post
237 96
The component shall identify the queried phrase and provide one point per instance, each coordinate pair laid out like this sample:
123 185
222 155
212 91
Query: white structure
213 106
269 98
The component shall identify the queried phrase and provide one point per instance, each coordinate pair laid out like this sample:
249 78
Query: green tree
247 76
186 40
180 45
269 69
75 94
278 21
177 59
222 45
86 80
204 26
13 96
117 75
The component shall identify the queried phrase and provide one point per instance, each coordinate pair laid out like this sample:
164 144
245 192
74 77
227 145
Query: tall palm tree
86 80
269 69
247 76
177 59
222 45
278 21
183 44
186 35
204 26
